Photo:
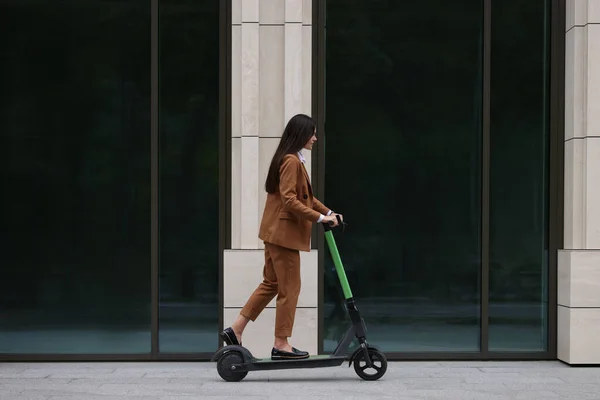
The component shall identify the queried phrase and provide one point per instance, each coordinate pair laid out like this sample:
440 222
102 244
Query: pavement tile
403 380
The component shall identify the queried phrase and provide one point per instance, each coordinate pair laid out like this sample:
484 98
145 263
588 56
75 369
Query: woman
285 229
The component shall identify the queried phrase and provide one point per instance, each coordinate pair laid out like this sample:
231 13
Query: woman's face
313 138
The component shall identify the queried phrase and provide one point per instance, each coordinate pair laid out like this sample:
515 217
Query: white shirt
303 161
301 157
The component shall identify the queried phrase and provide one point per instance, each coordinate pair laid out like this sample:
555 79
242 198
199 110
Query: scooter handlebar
329 225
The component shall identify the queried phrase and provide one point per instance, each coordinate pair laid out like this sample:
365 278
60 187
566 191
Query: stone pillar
579 262
271 82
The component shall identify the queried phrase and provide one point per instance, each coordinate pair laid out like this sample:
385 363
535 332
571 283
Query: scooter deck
319 357
311 362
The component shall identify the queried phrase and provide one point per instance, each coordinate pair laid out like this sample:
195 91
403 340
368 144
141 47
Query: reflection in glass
75 177
189 162
403 162
519 176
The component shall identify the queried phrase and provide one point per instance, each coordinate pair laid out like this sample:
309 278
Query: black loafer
229 337
295 354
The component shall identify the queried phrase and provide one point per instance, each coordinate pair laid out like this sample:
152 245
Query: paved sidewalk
403 380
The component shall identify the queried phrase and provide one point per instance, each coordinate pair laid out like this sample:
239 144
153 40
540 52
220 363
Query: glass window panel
519 176
403 164
74 129
189 171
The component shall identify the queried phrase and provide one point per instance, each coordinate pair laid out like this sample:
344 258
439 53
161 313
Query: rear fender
246 355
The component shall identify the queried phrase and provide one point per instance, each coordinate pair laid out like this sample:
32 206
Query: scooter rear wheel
224 367
379 365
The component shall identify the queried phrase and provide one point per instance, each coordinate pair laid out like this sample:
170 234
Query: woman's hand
331 218
334 214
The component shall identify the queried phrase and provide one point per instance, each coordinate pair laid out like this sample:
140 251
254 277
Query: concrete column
271 81
579 262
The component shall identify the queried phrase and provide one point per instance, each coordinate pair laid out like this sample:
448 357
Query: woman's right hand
329 219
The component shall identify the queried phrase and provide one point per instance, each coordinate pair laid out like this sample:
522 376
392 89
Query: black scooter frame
357 330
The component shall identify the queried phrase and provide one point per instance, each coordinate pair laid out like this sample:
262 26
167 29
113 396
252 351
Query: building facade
459 140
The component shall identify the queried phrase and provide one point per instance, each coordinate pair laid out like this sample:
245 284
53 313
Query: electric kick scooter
234 362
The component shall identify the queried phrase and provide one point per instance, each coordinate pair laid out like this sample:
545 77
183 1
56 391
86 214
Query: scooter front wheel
376 370
224 367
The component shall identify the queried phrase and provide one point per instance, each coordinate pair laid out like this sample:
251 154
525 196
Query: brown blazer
289 213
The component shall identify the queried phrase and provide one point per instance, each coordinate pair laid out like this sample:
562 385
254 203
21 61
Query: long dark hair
296 134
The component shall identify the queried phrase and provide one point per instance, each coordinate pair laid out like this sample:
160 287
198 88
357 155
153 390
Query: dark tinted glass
519 175
403 162
75 170
189 171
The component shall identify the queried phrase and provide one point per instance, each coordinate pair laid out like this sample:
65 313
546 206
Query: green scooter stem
339 267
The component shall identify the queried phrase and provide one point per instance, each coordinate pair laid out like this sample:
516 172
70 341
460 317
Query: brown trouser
281 277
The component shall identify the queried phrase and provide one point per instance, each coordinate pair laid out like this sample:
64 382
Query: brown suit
289 214
285 229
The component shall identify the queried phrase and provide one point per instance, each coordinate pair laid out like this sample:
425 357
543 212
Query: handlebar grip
328 226
330 223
